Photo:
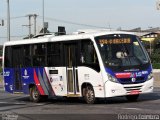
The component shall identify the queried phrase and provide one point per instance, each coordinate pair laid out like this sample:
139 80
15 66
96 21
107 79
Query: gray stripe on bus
46 82
42 83
51 92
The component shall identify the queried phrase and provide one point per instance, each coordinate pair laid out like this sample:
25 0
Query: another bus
89 65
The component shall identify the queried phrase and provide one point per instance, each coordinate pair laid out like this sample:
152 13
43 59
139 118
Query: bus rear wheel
35 95
132 98
89 95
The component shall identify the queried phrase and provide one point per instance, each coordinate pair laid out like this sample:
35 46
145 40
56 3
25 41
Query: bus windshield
121 50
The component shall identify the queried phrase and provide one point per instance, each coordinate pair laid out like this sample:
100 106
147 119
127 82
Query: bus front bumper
117 89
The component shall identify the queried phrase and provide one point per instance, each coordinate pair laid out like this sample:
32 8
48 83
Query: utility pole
43 14
29 25
35 22
158 8
8 20
2 23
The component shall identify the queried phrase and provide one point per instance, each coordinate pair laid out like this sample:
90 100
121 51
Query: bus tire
132 98
35 95
89 95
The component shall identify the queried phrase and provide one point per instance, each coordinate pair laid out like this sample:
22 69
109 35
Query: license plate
134 92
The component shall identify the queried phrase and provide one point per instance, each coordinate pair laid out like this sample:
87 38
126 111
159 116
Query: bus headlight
112 79
150 76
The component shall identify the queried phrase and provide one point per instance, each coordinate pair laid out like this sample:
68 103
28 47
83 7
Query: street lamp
8 20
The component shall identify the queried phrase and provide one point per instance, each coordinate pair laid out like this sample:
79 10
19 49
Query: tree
156 43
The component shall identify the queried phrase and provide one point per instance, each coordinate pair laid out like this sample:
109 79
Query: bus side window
27 56
8 59
39 55
54 54
88 55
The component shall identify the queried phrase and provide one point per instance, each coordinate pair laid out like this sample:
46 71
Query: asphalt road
18 106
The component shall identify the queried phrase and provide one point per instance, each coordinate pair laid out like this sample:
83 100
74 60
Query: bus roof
53 38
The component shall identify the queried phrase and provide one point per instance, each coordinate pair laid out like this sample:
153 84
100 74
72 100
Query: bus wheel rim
90 95
35 94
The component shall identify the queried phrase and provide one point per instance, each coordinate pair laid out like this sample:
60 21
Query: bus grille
136 88
129 80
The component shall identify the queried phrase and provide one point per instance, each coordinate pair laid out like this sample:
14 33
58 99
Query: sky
127 14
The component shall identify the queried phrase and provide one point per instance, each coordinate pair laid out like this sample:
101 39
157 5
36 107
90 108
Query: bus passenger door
71 55
17 64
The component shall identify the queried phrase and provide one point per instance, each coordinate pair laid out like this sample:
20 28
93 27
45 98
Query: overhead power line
62 21
13 36
15 17
73 23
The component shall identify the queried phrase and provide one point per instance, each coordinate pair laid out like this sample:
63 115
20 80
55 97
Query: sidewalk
156 74
1 82
156 70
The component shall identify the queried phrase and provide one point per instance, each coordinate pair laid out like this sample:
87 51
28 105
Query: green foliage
155 56
0 75
1 69
0 52
155 59
156 65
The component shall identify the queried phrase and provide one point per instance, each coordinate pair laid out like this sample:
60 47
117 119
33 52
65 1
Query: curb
156 70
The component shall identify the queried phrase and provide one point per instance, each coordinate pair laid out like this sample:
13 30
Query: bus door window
71 56
17 62
17 56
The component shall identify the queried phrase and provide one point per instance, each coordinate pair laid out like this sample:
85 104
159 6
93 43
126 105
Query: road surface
111 108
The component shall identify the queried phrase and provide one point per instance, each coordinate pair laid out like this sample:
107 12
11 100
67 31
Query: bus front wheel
132 98
89 95
34 94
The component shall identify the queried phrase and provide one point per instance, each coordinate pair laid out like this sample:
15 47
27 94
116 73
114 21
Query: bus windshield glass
121 50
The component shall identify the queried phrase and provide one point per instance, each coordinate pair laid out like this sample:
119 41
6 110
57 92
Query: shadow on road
115 100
